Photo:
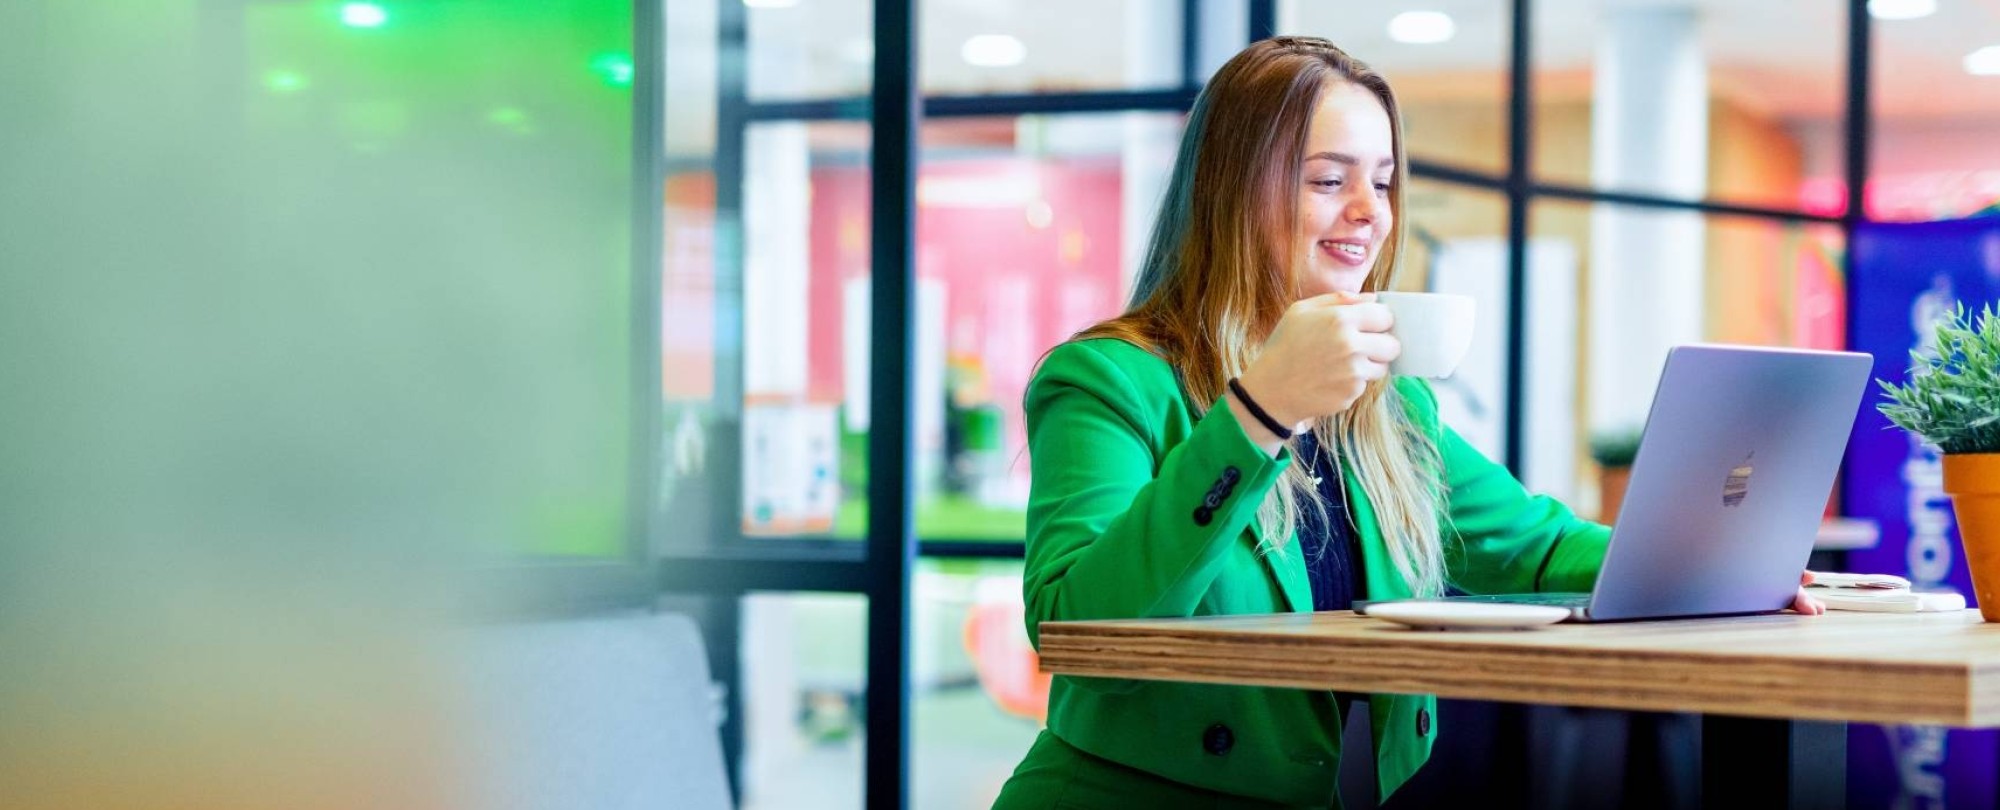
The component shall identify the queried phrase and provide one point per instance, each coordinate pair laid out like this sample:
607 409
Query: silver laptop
1730 484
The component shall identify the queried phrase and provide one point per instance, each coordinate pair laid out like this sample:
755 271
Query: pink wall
1027 250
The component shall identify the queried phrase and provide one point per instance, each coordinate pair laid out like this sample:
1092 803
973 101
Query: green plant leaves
1616 447
1952 398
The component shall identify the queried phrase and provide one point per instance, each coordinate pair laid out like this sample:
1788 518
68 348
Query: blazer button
1212 502
1203 516
1218 739
1423 722
1231 475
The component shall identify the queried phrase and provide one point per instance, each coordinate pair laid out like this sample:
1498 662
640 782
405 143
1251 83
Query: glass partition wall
1014 200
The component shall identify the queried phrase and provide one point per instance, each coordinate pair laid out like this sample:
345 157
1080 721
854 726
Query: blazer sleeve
1498 537
1120 526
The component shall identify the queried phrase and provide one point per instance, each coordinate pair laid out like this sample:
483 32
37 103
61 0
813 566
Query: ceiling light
1984 62
363 15
1421 27
993 50
1901 9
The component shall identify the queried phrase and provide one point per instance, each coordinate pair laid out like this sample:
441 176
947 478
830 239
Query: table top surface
1916 668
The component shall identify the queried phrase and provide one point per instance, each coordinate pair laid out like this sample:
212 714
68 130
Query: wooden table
1778 689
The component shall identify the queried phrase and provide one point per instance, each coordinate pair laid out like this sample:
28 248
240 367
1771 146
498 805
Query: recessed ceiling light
1984 62
1421 27
993 50
1901 9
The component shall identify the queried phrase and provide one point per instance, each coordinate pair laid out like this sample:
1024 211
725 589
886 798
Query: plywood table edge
1496 666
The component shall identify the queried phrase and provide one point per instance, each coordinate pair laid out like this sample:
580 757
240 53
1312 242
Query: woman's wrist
1262 427
1270 398
1252 429
1271 423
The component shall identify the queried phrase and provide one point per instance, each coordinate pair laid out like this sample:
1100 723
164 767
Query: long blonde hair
1221 270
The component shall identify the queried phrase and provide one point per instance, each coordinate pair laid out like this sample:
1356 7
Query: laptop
1729 486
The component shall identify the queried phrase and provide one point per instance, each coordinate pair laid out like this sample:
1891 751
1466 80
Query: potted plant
1613 450
1952 400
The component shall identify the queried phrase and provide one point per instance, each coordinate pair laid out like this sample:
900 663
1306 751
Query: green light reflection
616 68
284 82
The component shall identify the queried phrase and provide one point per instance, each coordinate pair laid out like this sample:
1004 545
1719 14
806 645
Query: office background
724 308
1647 173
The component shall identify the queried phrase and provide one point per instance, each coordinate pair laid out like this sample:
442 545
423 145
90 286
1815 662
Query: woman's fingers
1324 352
1380 347
1368 370
1339 298
1367 316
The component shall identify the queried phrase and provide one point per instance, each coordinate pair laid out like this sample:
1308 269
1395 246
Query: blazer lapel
1285 564
1380 570
1289 568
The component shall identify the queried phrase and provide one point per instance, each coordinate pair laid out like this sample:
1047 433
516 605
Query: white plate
1467 615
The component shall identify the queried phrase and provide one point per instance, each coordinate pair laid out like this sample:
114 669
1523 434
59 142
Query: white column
1649 133
691 59
777 229
776 217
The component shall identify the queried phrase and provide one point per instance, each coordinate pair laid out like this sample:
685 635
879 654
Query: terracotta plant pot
1611 483
1973 482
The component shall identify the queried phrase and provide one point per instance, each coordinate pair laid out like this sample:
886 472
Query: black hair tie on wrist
1242 396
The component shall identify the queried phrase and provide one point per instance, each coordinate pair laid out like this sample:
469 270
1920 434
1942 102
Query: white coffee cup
1434 328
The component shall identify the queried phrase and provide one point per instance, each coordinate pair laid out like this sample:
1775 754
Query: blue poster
1904 276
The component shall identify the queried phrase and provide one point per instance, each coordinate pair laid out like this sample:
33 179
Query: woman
1233 444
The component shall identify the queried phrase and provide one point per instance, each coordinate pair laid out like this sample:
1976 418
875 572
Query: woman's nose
1362 211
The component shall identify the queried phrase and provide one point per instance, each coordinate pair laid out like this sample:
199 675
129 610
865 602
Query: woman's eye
1382 188
1334 183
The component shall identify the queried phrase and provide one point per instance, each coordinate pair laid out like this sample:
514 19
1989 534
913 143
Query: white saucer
1425 615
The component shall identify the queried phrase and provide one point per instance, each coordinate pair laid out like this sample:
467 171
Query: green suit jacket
1121 525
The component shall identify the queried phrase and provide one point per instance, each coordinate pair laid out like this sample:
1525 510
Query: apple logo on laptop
1737 486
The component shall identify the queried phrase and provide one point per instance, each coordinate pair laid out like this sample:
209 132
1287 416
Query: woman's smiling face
1344 211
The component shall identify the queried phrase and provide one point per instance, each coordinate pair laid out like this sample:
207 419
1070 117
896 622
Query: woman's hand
1324 352
1804 602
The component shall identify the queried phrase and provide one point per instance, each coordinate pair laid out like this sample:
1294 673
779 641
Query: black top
1332 548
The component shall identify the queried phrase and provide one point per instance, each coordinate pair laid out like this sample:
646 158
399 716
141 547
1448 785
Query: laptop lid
1731 481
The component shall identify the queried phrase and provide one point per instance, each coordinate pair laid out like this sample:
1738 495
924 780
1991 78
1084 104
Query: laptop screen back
1731 481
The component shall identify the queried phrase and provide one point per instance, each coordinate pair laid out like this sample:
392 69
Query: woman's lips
1352 254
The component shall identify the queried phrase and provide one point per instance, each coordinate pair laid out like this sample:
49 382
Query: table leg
1758 762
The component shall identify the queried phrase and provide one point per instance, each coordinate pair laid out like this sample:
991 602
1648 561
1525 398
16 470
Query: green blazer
1141 510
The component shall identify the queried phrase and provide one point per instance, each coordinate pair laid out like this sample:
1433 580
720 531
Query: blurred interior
319 318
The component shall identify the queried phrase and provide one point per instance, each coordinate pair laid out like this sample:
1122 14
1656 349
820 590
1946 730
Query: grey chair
609 713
